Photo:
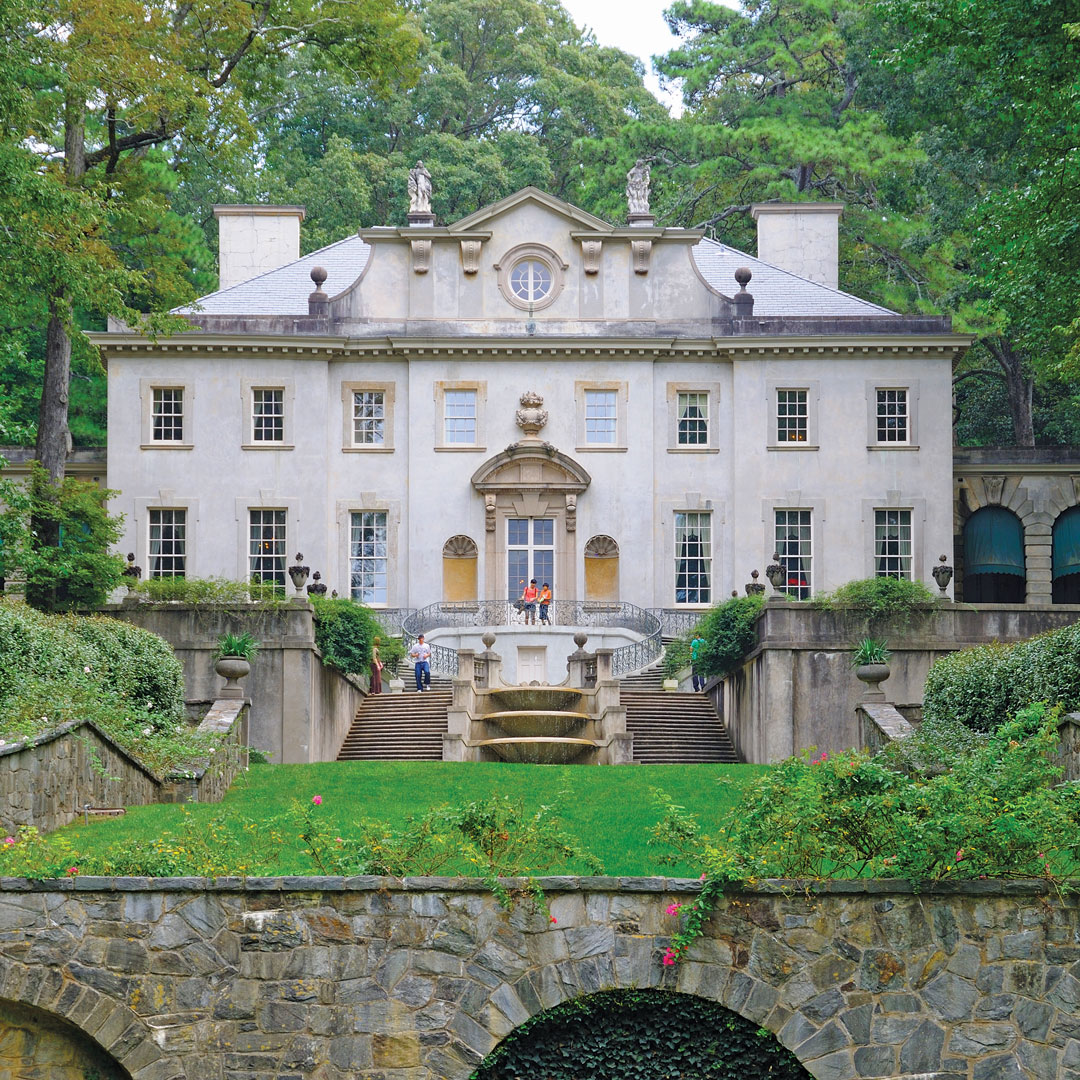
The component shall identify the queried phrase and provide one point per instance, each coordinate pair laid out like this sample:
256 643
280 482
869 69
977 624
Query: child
545 601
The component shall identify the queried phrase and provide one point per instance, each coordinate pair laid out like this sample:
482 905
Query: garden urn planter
232 669
873 675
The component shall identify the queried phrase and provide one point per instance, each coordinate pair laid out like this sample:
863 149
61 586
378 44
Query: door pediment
530 466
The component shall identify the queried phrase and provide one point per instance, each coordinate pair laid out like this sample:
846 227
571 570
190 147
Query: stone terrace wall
330 978
797 688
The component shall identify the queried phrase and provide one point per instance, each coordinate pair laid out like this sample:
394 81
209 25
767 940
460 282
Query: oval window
530 281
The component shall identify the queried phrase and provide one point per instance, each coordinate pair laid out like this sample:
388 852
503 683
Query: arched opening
36 1043
994 571
459 556
639 1035
602 570
1066 557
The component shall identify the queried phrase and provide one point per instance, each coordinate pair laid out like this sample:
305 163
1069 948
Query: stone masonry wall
375 979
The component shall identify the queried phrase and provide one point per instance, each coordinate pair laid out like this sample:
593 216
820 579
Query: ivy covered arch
640 1035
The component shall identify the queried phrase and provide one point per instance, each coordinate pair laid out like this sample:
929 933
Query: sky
635 26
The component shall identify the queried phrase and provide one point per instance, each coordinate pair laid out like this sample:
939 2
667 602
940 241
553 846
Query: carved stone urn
942 575
232 669
531 417
299 574
872 676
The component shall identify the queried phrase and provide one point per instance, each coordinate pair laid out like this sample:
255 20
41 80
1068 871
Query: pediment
531 466
574 215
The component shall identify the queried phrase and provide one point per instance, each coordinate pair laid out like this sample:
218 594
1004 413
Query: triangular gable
573 213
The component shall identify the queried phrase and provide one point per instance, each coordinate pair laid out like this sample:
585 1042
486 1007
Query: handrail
584 613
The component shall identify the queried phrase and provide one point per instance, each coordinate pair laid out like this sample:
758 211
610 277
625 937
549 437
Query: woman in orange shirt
545 602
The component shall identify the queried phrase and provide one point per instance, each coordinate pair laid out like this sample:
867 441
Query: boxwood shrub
133 664
987 685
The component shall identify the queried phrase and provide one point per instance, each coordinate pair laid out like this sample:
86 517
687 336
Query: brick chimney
255 239
801 238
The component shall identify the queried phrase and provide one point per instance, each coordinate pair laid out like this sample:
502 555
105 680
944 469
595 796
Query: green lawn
609 810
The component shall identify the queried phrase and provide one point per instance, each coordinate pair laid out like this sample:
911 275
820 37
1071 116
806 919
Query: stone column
1038 558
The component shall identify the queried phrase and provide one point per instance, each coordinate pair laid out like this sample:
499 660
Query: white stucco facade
639 328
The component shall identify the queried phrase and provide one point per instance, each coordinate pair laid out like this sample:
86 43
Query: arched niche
603 1035
602 569
459 562
994 570
36 1043
1066 557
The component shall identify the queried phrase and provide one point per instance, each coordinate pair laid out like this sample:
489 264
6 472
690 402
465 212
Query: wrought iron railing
676 621
583 613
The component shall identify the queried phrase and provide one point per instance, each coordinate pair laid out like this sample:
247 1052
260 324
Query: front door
530 553
531 664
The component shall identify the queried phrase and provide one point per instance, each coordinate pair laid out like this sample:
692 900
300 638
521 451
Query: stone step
399 727
675 728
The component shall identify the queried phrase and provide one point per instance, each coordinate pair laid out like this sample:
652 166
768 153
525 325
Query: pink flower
317 800
673 909
9 840
959 854
669 957
702 878
339 839
72 871
553 919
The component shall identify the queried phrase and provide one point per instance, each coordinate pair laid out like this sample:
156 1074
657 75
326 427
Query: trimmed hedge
987 685
640 1035
127 662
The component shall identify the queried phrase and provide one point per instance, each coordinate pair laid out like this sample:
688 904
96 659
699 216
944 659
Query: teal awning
994 542
1067 543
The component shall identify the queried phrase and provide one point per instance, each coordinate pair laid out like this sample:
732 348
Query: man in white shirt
420 654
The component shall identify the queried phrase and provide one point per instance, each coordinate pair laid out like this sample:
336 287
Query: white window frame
349 390
712 436
812 389
911 389
880 511
531 547
479 390
513 258
287 388
581 391
800 591
147 390
374 558
253 555
680 524
181 554
341 560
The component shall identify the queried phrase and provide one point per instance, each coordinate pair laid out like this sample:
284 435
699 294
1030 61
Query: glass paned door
530 553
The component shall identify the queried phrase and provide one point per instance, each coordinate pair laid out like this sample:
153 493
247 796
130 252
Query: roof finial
318 303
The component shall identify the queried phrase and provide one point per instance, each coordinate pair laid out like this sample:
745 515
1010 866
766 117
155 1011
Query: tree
111 82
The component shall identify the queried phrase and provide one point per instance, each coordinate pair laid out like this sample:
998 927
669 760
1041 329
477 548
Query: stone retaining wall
343 979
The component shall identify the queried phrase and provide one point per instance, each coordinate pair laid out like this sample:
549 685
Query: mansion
627 412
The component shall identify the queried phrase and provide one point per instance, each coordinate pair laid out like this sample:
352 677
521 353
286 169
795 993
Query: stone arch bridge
331 978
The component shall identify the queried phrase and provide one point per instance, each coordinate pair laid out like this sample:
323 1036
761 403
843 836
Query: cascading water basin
540 723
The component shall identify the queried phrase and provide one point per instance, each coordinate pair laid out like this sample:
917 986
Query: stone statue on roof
419 189
637 187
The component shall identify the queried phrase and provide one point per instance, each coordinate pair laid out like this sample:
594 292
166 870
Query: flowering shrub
992 812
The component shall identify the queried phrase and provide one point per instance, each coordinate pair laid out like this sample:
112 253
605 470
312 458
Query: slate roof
776 291
285 291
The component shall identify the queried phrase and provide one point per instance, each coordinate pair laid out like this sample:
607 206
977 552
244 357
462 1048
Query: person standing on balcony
545 604
420 654
529 598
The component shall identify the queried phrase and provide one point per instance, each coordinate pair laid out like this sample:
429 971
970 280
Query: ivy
640 1035
345 632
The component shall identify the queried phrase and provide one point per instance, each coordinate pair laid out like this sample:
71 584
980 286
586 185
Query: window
266 545
892 416
693 419
892 543
793 540
168 414
530 281
268 415
369 417
368 556
459 417
601 416
530 553
792 416
168 543
693 558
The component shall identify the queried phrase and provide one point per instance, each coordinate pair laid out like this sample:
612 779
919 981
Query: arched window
1066 562
602 570
459 556
994 570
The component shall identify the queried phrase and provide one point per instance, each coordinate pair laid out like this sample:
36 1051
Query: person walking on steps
695 661
529 598
420 654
